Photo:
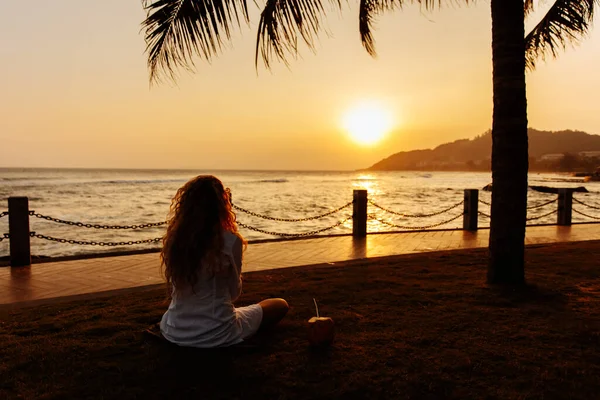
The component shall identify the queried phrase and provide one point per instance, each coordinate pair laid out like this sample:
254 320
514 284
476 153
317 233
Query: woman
202 259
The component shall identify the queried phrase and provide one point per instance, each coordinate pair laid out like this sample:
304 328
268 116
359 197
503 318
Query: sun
367 123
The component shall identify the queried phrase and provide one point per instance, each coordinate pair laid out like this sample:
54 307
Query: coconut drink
321 330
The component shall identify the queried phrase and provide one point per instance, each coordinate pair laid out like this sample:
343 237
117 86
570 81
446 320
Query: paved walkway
91 276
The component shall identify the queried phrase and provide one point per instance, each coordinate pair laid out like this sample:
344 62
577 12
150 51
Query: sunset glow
76 94
367 123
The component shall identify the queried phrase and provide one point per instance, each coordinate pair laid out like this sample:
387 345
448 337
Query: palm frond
283 22
367 12
566 22
178 30
370 9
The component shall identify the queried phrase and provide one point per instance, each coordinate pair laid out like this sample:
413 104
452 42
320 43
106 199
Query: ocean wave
282 180
134 181
26 178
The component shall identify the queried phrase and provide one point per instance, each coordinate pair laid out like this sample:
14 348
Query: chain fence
254 214
542 204
541 216
371 217
94 243
527 219
528 207
415 215
95 226
5 235
282 234
531 207
586 204
420 228
584 214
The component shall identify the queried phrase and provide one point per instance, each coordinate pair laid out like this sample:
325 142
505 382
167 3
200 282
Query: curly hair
200 213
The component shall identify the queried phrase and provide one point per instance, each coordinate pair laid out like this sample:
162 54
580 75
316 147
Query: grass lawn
415 326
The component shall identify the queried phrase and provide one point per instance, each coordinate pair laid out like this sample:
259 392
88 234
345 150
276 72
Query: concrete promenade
62 280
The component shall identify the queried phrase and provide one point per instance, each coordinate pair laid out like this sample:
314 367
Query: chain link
529 208
542 204
3 214
311 233
528 219
585 204
291 219
585 215
93 243
541 216
416 215
416 227
95 226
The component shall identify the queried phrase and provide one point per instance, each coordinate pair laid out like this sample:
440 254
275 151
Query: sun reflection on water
367 182
370 183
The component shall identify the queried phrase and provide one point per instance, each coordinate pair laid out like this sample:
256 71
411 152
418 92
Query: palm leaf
178 30
369 9
367 12
283 22
566 22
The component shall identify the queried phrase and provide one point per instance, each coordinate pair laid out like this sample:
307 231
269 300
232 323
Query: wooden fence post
18 229
471 209
565 207
359 214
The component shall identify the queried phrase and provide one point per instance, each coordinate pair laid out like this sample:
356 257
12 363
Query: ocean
132 197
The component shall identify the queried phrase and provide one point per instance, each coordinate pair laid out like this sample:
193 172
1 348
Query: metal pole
359 215
18 229
565 207
471 210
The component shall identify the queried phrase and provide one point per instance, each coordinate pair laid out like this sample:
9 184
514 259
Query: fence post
18 229
471 209
565 207
359 213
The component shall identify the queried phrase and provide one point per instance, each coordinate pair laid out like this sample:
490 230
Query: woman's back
206 316
202 226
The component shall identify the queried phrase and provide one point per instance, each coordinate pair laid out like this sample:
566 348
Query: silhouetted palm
178 30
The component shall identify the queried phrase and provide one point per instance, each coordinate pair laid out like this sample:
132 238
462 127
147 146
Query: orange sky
75 93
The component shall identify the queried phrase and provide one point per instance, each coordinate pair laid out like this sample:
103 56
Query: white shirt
207 317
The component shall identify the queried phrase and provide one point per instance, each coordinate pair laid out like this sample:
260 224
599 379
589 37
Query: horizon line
181 169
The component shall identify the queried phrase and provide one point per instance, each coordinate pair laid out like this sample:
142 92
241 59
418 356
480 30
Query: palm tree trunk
509 145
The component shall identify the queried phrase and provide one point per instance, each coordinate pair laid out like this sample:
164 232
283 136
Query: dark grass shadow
524 295
320 355
420 326
189 371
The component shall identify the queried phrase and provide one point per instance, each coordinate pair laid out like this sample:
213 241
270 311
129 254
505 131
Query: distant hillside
475 154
